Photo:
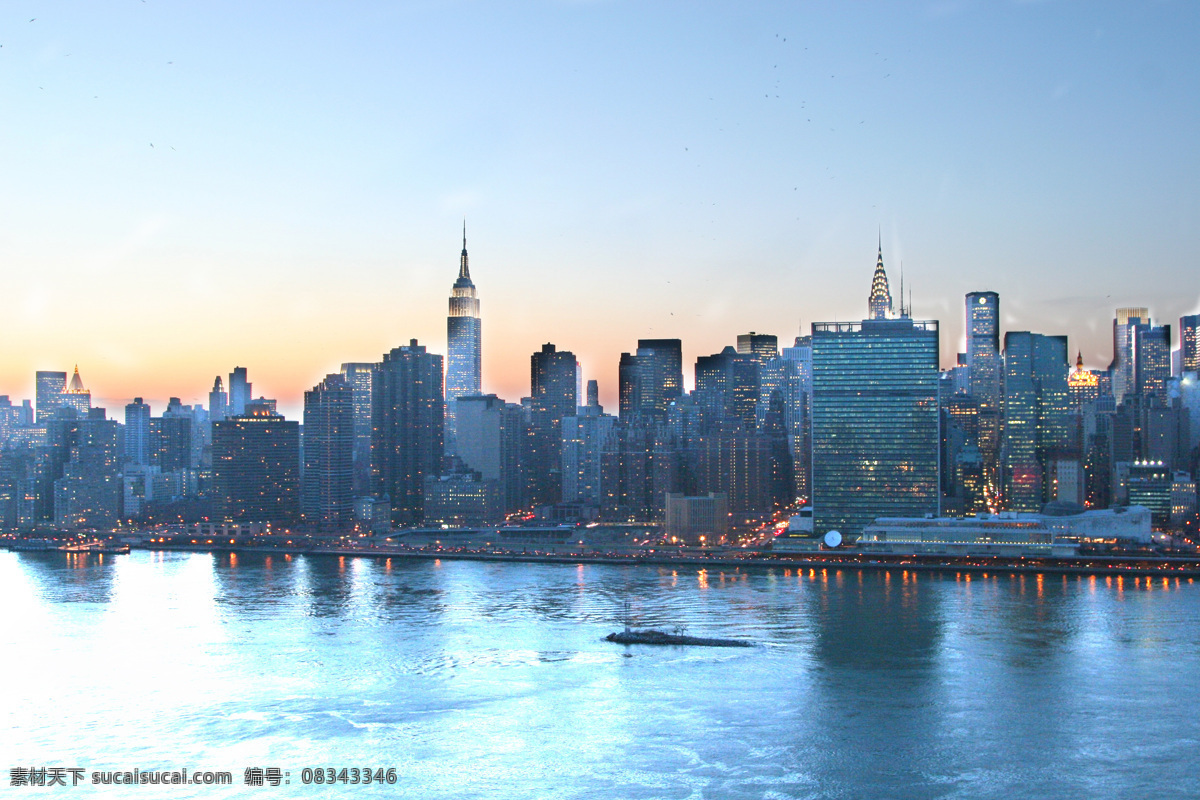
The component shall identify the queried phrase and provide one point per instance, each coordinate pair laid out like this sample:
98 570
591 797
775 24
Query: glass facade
875 425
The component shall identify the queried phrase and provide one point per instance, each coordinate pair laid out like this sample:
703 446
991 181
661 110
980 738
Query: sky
186 187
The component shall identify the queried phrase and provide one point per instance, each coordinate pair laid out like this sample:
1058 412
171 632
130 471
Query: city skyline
285 193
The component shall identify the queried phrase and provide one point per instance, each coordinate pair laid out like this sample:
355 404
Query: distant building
1037 423
240 392
256 468
461 499
762 346
1122 368
407 418
137 432
650 378
327 496
218 401
553 382
697 520
1083 386
464 343
360 376
1189 343
984 372
875 419
75 396
491 439
1057 532
88 494
49 387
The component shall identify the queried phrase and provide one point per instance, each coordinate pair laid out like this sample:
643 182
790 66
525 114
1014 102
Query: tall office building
1189 343
984 373
75 396
583 438
875 421
218 401
1038 426
407 418
88 493
728 386
491 439
763 346
359 376
256 467
1152 362
1123 366
651 378
463 341
327 497
553 377
137 432
49 388
240 392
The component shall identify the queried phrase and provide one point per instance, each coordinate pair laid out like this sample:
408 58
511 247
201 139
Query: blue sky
192 186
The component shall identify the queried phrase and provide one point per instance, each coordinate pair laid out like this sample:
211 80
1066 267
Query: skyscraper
137 432
327 487
407 419
240 392
75 396
875 437
49 387
875 420
464 341
1189 342
553 381
1038 427
218 401
1122 368
651 378
256 467
983 372
1152 362
360 376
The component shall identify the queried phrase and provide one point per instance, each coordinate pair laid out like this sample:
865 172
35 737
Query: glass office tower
875 422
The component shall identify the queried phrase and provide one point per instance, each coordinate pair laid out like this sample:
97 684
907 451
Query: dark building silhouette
327 496
256 467
554 378
1037 421
407 418
1189 343
360 376
137 432
651 378
218 401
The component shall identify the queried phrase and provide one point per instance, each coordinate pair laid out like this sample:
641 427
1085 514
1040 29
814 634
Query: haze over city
191 188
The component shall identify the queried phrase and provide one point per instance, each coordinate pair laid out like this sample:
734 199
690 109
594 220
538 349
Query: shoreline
1101 566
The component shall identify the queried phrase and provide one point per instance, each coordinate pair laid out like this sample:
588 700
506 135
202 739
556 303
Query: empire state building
463 342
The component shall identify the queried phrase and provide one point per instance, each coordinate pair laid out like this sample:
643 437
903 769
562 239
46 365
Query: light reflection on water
492 680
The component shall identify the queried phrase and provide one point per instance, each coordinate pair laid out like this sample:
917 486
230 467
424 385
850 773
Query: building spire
463 271
879 302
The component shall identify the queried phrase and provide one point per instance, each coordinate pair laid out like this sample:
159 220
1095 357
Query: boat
662 637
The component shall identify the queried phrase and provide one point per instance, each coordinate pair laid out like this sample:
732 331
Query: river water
492 680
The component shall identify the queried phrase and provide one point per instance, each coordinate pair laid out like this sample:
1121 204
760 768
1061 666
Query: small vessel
662 637
650 636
